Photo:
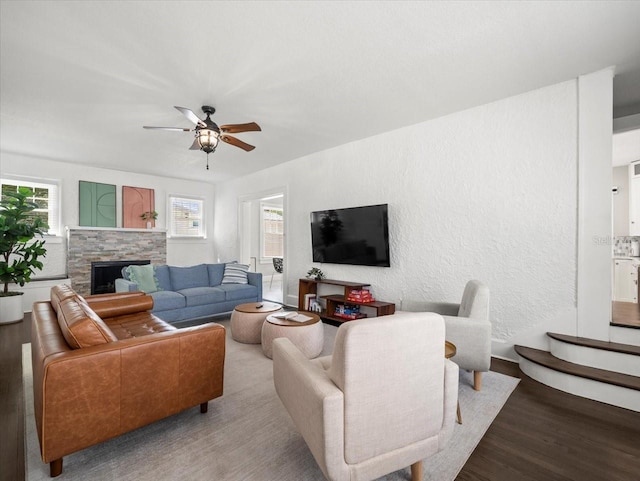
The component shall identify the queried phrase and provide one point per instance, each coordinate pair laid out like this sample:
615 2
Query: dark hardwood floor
541 434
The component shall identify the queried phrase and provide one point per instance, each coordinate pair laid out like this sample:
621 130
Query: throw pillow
235 274
145 277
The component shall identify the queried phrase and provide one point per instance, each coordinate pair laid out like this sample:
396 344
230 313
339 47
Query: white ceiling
80 79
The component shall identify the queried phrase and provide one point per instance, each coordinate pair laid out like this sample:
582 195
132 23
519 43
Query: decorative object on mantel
19 255
97 204
315 273
136 202
148 217
208 134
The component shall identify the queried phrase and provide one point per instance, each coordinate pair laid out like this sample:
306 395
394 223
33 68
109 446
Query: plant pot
11 308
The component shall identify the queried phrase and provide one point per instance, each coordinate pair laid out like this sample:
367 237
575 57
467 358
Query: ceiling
80 79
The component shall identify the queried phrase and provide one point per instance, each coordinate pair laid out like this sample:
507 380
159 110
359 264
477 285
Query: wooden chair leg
459 414
204 407
55 467
477 380
416 471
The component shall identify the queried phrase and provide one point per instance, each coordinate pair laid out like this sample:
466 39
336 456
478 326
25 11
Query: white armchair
384 400
467 325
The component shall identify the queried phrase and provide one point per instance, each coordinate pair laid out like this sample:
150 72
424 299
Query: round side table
307 336
247 319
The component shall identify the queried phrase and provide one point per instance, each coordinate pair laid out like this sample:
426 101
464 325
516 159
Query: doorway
262 240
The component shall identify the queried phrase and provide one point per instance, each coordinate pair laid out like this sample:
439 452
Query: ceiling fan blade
177 129
237 128
195 145
191 116
237 142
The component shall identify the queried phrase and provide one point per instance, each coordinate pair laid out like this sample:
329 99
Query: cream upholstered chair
384 400
467 326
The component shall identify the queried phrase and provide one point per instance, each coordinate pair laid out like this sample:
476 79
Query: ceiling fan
208 134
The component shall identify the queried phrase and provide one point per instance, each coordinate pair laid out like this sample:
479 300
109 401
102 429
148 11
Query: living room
509 186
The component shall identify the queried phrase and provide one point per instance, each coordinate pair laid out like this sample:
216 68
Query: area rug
246 434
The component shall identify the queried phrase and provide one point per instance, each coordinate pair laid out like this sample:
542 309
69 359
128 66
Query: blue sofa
196 291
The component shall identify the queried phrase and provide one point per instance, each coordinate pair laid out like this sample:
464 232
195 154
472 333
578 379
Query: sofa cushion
235 274
145 277
236 292
186 277
80 326
216 272
165 300
164 278
198 296
58 294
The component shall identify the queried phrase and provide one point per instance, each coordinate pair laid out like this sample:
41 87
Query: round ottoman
247 319
308 336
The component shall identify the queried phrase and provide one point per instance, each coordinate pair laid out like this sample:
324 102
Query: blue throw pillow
235 274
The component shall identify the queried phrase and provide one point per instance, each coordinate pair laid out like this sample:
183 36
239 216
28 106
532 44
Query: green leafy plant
315 273
152 214
19 254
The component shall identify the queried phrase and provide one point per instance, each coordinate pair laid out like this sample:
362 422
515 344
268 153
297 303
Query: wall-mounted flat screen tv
357 235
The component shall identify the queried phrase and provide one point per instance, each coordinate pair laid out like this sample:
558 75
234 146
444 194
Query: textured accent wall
93 245
489 193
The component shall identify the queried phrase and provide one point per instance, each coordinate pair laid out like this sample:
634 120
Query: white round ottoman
247 319
308 336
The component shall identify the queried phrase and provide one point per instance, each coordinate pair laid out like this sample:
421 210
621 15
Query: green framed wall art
97 204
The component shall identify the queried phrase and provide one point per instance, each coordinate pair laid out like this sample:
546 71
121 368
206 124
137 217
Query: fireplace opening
105 273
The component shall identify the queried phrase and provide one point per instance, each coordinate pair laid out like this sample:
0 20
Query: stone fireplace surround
94 244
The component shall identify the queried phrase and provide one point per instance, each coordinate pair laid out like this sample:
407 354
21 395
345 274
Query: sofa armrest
123 285
472 338
116 386
119 304
314 402
255 279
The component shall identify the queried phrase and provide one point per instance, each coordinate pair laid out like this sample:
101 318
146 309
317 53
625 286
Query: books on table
292 316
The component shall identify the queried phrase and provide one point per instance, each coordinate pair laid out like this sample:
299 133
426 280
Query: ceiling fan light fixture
207 140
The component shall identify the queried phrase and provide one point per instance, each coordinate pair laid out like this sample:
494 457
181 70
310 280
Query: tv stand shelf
310 286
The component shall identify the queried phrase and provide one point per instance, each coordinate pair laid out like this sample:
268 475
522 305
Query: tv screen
357 235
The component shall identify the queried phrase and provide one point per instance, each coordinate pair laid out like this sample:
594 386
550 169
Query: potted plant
315 273
19 254
151 214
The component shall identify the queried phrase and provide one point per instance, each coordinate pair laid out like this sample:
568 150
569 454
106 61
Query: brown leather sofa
104 365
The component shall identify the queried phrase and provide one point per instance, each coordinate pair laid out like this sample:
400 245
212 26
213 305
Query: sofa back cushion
163 277
59 293
216 271
80 326
186 277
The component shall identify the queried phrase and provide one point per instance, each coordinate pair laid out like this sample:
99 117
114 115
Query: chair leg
477 380
55 467
204 407
416 471
271 283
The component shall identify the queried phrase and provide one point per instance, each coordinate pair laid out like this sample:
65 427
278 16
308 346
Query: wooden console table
310 286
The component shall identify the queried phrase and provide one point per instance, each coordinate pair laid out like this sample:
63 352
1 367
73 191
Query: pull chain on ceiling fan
208 134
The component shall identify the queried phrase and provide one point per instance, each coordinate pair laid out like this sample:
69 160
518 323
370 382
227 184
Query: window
271 231
186 217
45 194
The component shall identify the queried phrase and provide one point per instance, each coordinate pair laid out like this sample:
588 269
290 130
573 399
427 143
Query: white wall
489 193
179 251
620 179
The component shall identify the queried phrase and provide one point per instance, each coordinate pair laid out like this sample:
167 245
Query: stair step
547 360
593 343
